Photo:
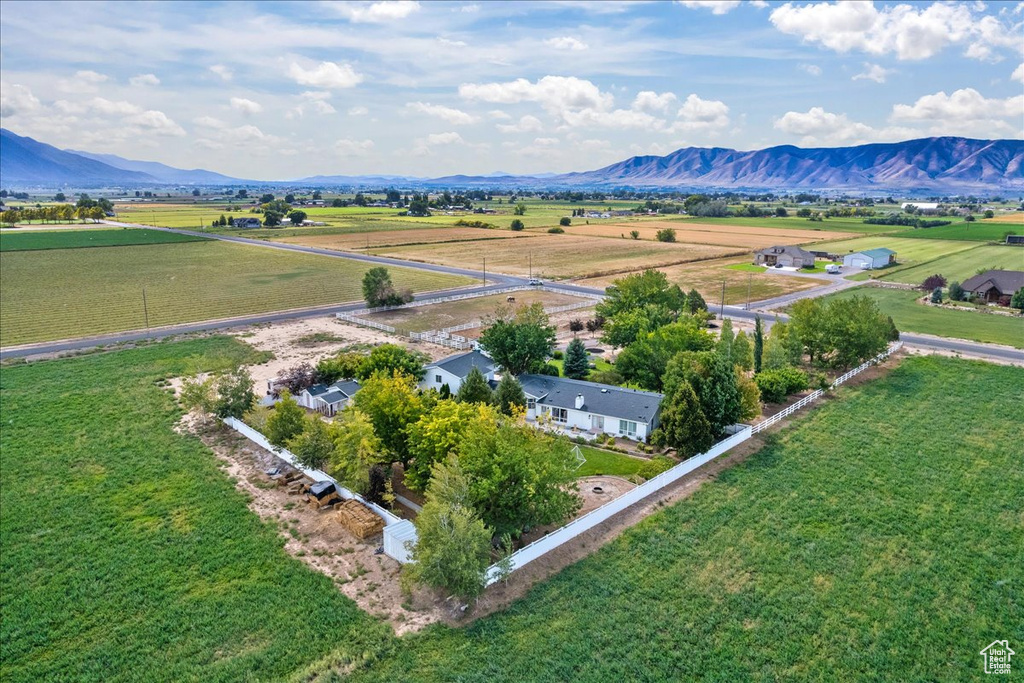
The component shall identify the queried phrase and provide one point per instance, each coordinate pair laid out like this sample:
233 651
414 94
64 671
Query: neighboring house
870 258
592 407
1015 239
246 222
993 284
925 208
793 257
328 399
453 369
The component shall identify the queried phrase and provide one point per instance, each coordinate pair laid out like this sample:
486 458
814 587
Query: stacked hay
359 519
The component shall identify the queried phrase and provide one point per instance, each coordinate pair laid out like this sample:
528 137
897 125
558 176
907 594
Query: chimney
579 401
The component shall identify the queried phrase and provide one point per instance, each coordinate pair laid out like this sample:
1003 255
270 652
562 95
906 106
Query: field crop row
74 239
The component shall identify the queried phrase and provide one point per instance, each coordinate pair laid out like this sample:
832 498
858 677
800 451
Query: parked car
534 282
832 268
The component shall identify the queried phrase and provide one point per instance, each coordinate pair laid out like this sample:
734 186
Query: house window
597 423
627 428
560 415
531 404
437 378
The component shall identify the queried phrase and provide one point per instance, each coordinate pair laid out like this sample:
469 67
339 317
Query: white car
832 268
534 282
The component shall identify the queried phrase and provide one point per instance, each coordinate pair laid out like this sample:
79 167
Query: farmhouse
870 258
794 257
453 369
591 407
328 399
246 222
994 284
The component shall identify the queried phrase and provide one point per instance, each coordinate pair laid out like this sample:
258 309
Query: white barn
454 369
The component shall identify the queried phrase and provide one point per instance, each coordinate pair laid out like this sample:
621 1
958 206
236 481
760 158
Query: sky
274 91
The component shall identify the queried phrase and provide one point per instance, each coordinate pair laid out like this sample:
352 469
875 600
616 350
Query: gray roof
338 391
602 399
461 363
1006 281
792 251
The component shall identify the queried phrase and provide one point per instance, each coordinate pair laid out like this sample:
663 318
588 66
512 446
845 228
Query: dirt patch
598 490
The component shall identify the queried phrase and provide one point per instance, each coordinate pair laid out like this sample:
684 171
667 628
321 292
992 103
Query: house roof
1006 281
338 391
875 253
792 251
602 399
461 363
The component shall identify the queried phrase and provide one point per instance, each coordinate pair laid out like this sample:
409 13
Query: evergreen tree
695 302
741 351
576 364
509 394
474 388
758 343
683 425
725 341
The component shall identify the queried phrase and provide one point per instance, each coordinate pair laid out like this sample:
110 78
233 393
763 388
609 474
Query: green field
127 552
911 316
59 294
74 239
977 231
962 265
908 251
607 462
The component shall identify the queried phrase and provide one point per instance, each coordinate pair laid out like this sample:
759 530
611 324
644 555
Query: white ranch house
454 369
328 399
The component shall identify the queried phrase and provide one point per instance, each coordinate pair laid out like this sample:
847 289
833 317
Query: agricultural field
128 552
74 239
397 238
987 230
699 233
451 313
559 256
963 264
65 293
908 251
864 541
911 316
793 223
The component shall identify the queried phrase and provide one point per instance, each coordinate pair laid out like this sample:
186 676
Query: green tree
808 324
345 365
509 396
286 421
297 216
644 362
726 338
634 234
666 235
517 225
989 213
520 477
713 379
638 290
956 291
272 219
683 425
857 330
758 343
776 354
378 290
565 221
1017 300
313 446
392 404
390 358
356 449
626 327
235 395
520 209
474 388
936 297
519 342
576 365
199 396
454 546
439 433
695 302
750 396
742 355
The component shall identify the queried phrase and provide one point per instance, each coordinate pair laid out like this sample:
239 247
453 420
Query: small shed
870 258
399 538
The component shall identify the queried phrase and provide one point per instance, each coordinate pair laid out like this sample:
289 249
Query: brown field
707 277
393 238
1012 217
560 256
451 313
704 233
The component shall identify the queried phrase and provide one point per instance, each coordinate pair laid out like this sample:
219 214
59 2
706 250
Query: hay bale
359 519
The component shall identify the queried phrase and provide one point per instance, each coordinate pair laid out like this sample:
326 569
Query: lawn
963 264
879 538
128 554
74 239
58 294
607 462
911 316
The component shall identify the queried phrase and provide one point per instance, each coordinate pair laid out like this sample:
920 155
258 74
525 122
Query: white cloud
353 148
470 8
817 124
444 139
326 75
911 32
546 142
554 93
17 99
716 6
965 112
873 72
447 42
812 69
566 43
98 106
247 107
699 114
498 114
358 111
759 4
144 79
156 123
1018 74
456 117
82 82
377 12
651 102
526 124
222 71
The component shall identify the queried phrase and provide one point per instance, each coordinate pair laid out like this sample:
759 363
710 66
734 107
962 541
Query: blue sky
285 90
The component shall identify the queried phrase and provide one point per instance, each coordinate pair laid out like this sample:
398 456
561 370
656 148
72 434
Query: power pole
531 265
721 312
145 308
485 271
749 275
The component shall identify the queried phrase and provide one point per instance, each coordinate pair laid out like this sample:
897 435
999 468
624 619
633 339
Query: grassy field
607 462
59 294
911 316
127 552
908 251
794 223
963 264
698 233
74 239
880 538
990 230
393 238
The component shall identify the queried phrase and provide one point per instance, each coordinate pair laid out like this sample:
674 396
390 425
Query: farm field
988 230
392 238
558 256
451 313
707 277
144 561
963 264
793 223
59 294
911 316
698 233
888 553
908 251
74 239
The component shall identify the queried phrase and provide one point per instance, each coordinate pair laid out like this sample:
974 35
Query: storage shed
870 258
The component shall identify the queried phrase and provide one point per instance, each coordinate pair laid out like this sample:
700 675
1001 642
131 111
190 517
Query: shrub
549 369
933 281
556 231
937 295
666 235
517 225
956 292
635 234
565 221
558 355
776 384
655 466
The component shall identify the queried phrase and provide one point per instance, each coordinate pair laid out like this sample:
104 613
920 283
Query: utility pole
531 265
145 308
749 275
485 271
721 313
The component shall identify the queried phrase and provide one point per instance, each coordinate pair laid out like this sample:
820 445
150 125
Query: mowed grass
607 462
59 294
963 264
989 230
127 552
75 239
911 316
879 538
559 256
908 251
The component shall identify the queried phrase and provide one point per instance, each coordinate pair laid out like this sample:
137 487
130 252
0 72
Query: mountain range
938 164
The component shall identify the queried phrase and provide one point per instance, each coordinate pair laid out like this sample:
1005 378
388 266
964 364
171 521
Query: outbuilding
870 258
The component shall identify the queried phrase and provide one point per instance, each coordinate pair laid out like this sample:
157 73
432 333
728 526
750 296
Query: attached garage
871 258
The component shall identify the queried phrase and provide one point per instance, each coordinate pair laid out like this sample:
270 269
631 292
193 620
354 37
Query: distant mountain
24 160
162 172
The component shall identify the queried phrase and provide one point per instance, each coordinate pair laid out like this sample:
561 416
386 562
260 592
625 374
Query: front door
597 423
